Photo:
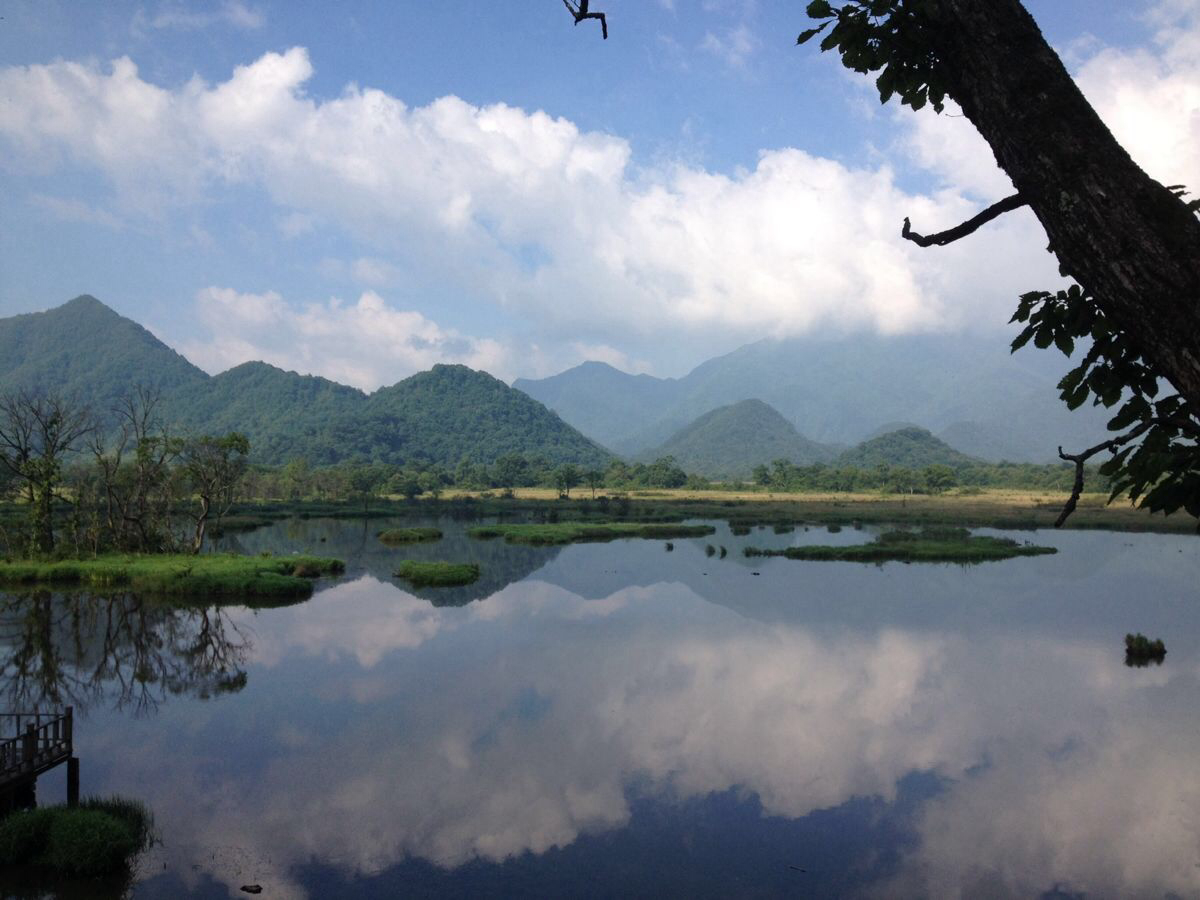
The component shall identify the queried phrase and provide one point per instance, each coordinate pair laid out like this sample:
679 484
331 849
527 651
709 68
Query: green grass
177 575
99 837
437 574
409 535
928 545
572 532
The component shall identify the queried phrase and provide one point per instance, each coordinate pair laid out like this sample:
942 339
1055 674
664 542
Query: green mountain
911 447
730 441
90 353
840 390
452 412
86 351
285 415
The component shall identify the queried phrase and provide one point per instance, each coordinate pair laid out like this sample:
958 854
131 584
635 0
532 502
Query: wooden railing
31 743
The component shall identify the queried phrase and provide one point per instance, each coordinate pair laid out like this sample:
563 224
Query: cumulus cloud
522 208
366 343
558 227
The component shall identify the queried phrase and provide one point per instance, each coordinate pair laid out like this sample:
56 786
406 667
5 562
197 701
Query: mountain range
968 390
86 351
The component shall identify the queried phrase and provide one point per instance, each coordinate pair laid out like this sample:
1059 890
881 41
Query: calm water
618 719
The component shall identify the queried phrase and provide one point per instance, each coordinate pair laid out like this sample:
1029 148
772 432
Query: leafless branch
1079 459
1008 204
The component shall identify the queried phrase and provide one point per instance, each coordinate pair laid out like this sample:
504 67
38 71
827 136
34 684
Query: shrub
88 842
23 835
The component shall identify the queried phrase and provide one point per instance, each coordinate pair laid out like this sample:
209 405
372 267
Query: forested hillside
913 448
85 351
731 440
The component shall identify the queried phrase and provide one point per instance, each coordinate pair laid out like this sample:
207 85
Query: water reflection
129 652
681 725
357 543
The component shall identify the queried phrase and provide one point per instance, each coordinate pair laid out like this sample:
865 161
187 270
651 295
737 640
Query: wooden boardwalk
34 743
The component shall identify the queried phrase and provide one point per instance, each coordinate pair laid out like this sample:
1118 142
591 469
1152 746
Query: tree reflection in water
133 652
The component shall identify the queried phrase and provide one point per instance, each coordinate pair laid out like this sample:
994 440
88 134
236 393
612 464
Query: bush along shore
180 575
437 574
410 535
99 837
927 545
573 532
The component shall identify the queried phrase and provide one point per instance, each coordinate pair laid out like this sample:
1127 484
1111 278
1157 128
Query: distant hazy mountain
912 447
731 440
85 350
840 390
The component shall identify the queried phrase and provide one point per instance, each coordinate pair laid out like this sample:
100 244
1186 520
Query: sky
361 190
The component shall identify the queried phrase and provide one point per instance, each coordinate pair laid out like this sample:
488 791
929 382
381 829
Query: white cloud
733 46
557 226
1151 99
365 344
69 209
550 222
176 16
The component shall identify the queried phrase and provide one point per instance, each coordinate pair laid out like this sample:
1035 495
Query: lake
620 719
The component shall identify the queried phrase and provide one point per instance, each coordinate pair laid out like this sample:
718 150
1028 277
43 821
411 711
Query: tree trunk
1124 237
201 523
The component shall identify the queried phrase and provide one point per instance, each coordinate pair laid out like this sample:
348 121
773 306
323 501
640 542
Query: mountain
84 350
913 448
285 415
840 390
731 440
453 412
603 402
88 352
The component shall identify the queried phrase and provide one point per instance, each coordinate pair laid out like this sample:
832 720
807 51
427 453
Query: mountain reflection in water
625 721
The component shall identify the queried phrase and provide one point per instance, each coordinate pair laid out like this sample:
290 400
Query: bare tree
136 474
36 433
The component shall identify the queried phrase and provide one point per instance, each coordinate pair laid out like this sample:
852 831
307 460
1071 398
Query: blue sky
360 190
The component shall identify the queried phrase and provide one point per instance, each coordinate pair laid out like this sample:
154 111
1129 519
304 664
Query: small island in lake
577 532
926 545
437 574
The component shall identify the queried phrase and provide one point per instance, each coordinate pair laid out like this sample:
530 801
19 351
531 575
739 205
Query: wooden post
29 750
73 782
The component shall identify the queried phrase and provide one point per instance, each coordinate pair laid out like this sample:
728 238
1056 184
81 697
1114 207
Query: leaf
1063 342
808 35
1021 340
819 9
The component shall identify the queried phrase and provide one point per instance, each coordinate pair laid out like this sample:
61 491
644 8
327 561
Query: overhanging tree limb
1080 458
1008 204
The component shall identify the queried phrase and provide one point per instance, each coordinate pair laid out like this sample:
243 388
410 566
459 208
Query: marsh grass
576 532
423 573
99 837
175 575
409 535
927 545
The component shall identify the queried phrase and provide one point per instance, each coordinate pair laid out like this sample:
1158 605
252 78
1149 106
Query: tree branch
1080 458
1008 204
